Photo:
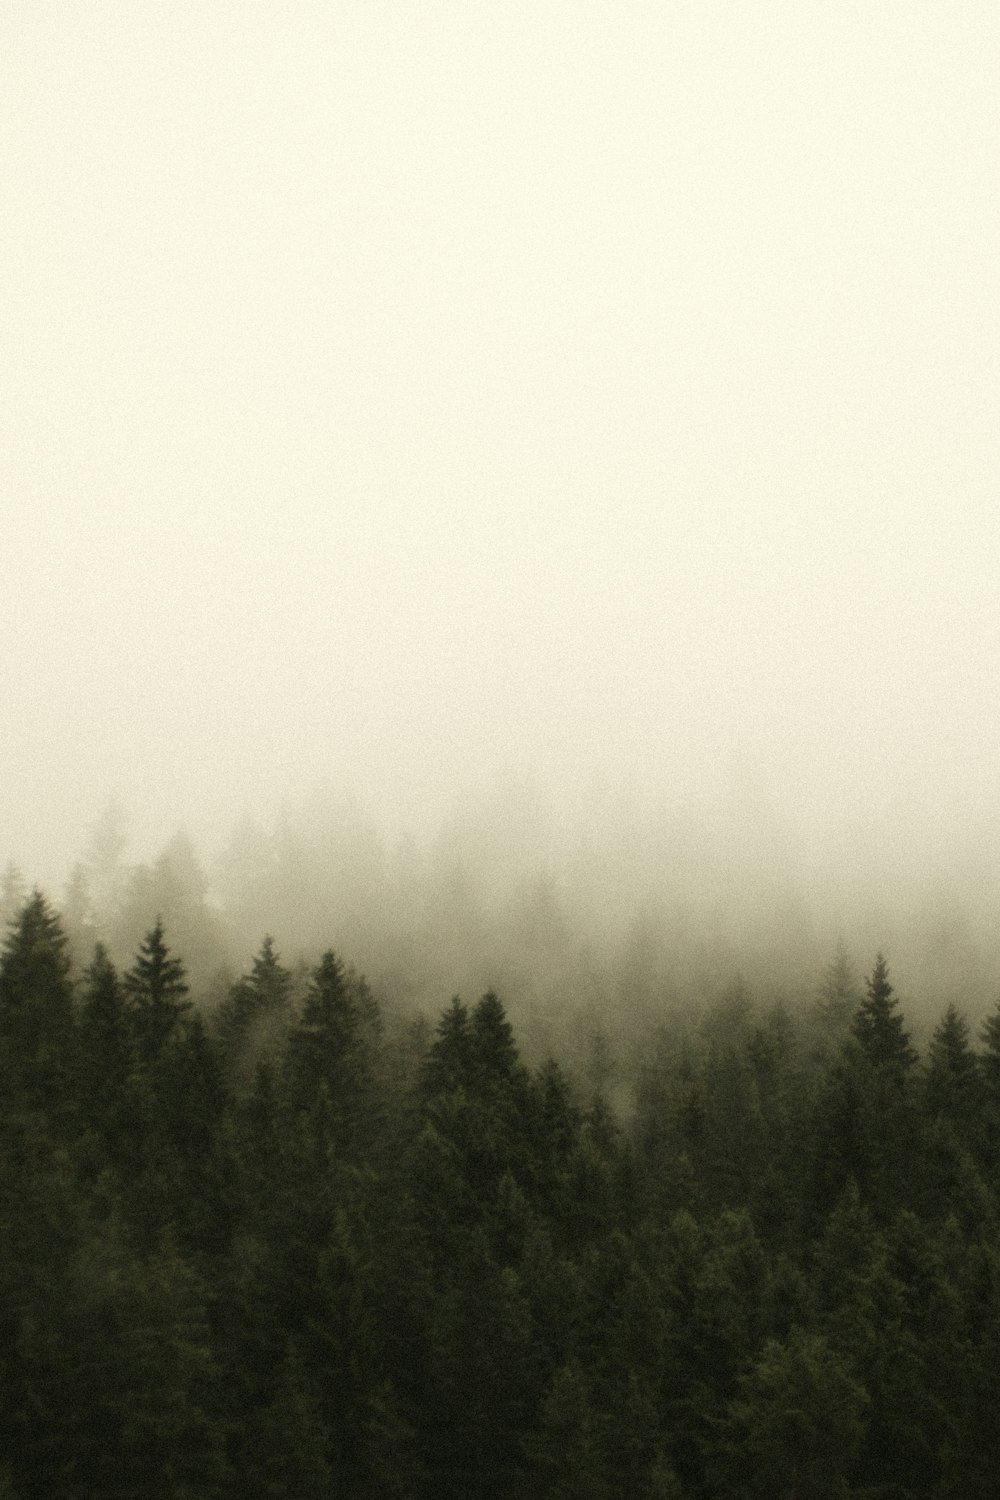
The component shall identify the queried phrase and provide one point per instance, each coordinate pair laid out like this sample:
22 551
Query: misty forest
634 1222
500 823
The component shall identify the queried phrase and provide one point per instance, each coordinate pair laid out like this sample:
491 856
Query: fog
567 429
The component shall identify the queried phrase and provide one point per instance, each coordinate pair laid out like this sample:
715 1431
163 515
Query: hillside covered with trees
292 1245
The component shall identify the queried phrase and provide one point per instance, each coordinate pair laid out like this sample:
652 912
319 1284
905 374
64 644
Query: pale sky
394 396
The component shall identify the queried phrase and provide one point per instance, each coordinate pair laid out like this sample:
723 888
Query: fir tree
952 1082
156 988
796 1425
106 1053
839 993
447 1065
36 1009
879 1028
254 1012
331 1055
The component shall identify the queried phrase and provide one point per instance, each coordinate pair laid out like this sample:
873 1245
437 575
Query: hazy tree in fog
257 1007
103 864
78 915
879 1027
157 991
839 993
953 1080
36 1008
13 893
107 1053
174 890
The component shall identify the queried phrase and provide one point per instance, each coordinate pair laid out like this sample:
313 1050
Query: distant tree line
293 1247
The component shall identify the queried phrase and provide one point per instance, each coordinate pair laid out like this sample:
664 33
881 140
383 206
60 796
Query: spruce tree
36 1010
254 1012
106 1053
447 1065
839 993
331 1055
879 1028
952 1083
157 991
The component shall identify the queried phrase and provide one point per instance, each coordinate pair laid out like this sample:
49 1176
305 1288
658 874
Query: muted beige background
398 396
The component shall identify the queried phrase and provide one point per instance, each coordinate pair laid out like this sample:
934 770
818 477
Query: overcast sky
395 395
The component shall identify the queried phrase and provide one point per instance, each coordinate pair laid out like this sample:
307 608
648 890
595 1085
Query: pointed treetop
157 988
447 1063
952 1080
950 1050
839 991
878 1026
100 972
34 962
493 1044
155 974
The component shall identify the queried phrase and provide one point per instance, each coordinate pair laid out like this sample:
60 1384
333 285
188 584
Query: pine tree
839 993
952 1082
254 1013
36 1010
879 1028
795 1426
106 1054
494 1051
565 1447
156 988
331 1056
447 1065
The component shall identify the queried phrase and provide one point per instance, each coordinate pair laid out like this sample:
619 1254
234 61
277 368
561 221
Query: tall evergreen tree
157 990
447 1065
952 1082
36 1009
796 1425
106 1053
879 1027
254 1012
839 993
494 1052
331 1056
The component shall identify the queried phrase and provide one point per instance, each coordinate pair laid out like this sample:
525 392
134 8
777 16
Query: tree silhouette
156 988
879 1028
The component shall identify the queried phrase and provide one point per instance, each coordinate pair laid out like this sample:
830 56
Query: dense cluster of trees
293 1247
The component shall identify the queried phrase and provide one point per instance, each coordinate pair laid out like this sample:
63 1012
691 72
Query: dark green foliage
879 1027
953 1081
330 1059
795 1426
157 991
107 1081
254 1014
37 1031
292 1254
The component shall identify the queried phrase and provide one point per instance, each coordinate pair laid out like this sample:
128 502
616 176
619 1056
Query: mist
551 451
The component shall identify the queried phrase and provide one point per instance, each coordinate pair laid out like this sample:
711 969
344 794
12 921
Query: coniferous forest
288 1244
